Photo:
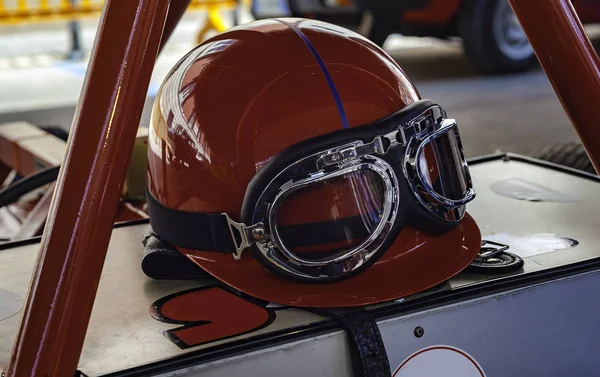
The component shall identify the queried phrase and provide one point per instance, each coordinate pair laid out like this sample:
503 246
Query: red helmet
295 161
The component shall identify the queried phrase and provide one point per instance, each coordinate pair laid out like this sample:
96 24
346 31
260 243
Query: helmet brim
413 263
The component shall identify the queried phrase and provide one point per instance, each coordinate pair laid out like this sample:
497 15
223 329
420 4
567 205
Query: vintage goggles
328 207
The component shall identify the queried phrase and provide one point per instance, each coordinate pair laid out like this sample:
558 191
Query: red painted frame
85 204
570 62
84 207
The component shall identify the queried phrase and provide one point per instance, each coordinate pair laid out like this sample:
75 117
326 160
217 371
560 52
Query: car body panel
437 12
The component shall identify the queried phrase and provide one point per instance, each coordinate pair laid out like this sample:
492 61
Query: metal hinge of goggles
247 235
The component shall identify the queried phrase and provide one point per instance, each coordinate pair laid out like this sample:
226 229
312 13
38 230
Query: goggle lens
442 165
325 219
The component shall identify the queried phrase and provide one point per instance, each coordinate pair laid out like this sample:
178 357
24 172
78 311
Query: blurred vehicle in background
492 37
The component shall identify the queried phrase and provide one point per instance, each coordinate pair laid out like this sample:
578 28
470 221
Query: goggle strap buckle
244 236
374 147
490 249
352 152
392 138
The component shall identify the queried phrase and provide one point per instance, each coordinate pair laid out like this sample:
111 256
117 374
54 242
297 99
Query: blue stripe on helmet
313 50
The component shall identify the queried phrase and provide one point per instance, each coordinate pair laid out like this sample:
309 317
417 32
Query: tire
571 154
492 38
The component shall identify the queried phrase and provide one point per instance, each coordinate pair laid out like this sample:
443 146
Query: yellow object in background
29 11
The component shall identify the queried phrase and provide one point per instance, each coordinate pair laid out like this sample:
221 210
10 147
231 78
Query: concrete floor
516 113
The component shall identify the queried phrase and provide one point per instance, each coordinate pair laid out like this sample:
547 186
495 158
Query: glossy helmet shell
242 97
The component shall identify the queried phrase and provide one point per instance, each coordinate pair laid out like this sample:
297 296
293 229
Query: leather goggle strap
367 350
210 231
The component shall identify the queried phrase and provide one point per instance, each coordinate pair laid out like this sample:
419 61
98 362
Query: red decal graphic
208 314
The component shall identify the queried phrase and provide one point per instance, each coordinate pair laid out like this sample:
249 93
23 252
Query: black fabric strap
323 232
191 230
368 353
162 261
210 231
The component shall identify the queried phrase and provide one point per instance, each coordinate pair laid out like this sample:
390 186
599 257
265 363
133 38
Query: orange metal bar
570 62
84 207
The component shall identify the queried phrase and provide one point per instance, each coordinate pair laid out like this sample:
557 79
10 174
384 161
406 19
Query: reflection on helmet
300 151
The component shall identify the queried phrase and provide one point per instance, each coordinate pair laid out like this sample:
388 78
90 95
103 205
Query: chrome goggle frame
423 133
338 161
